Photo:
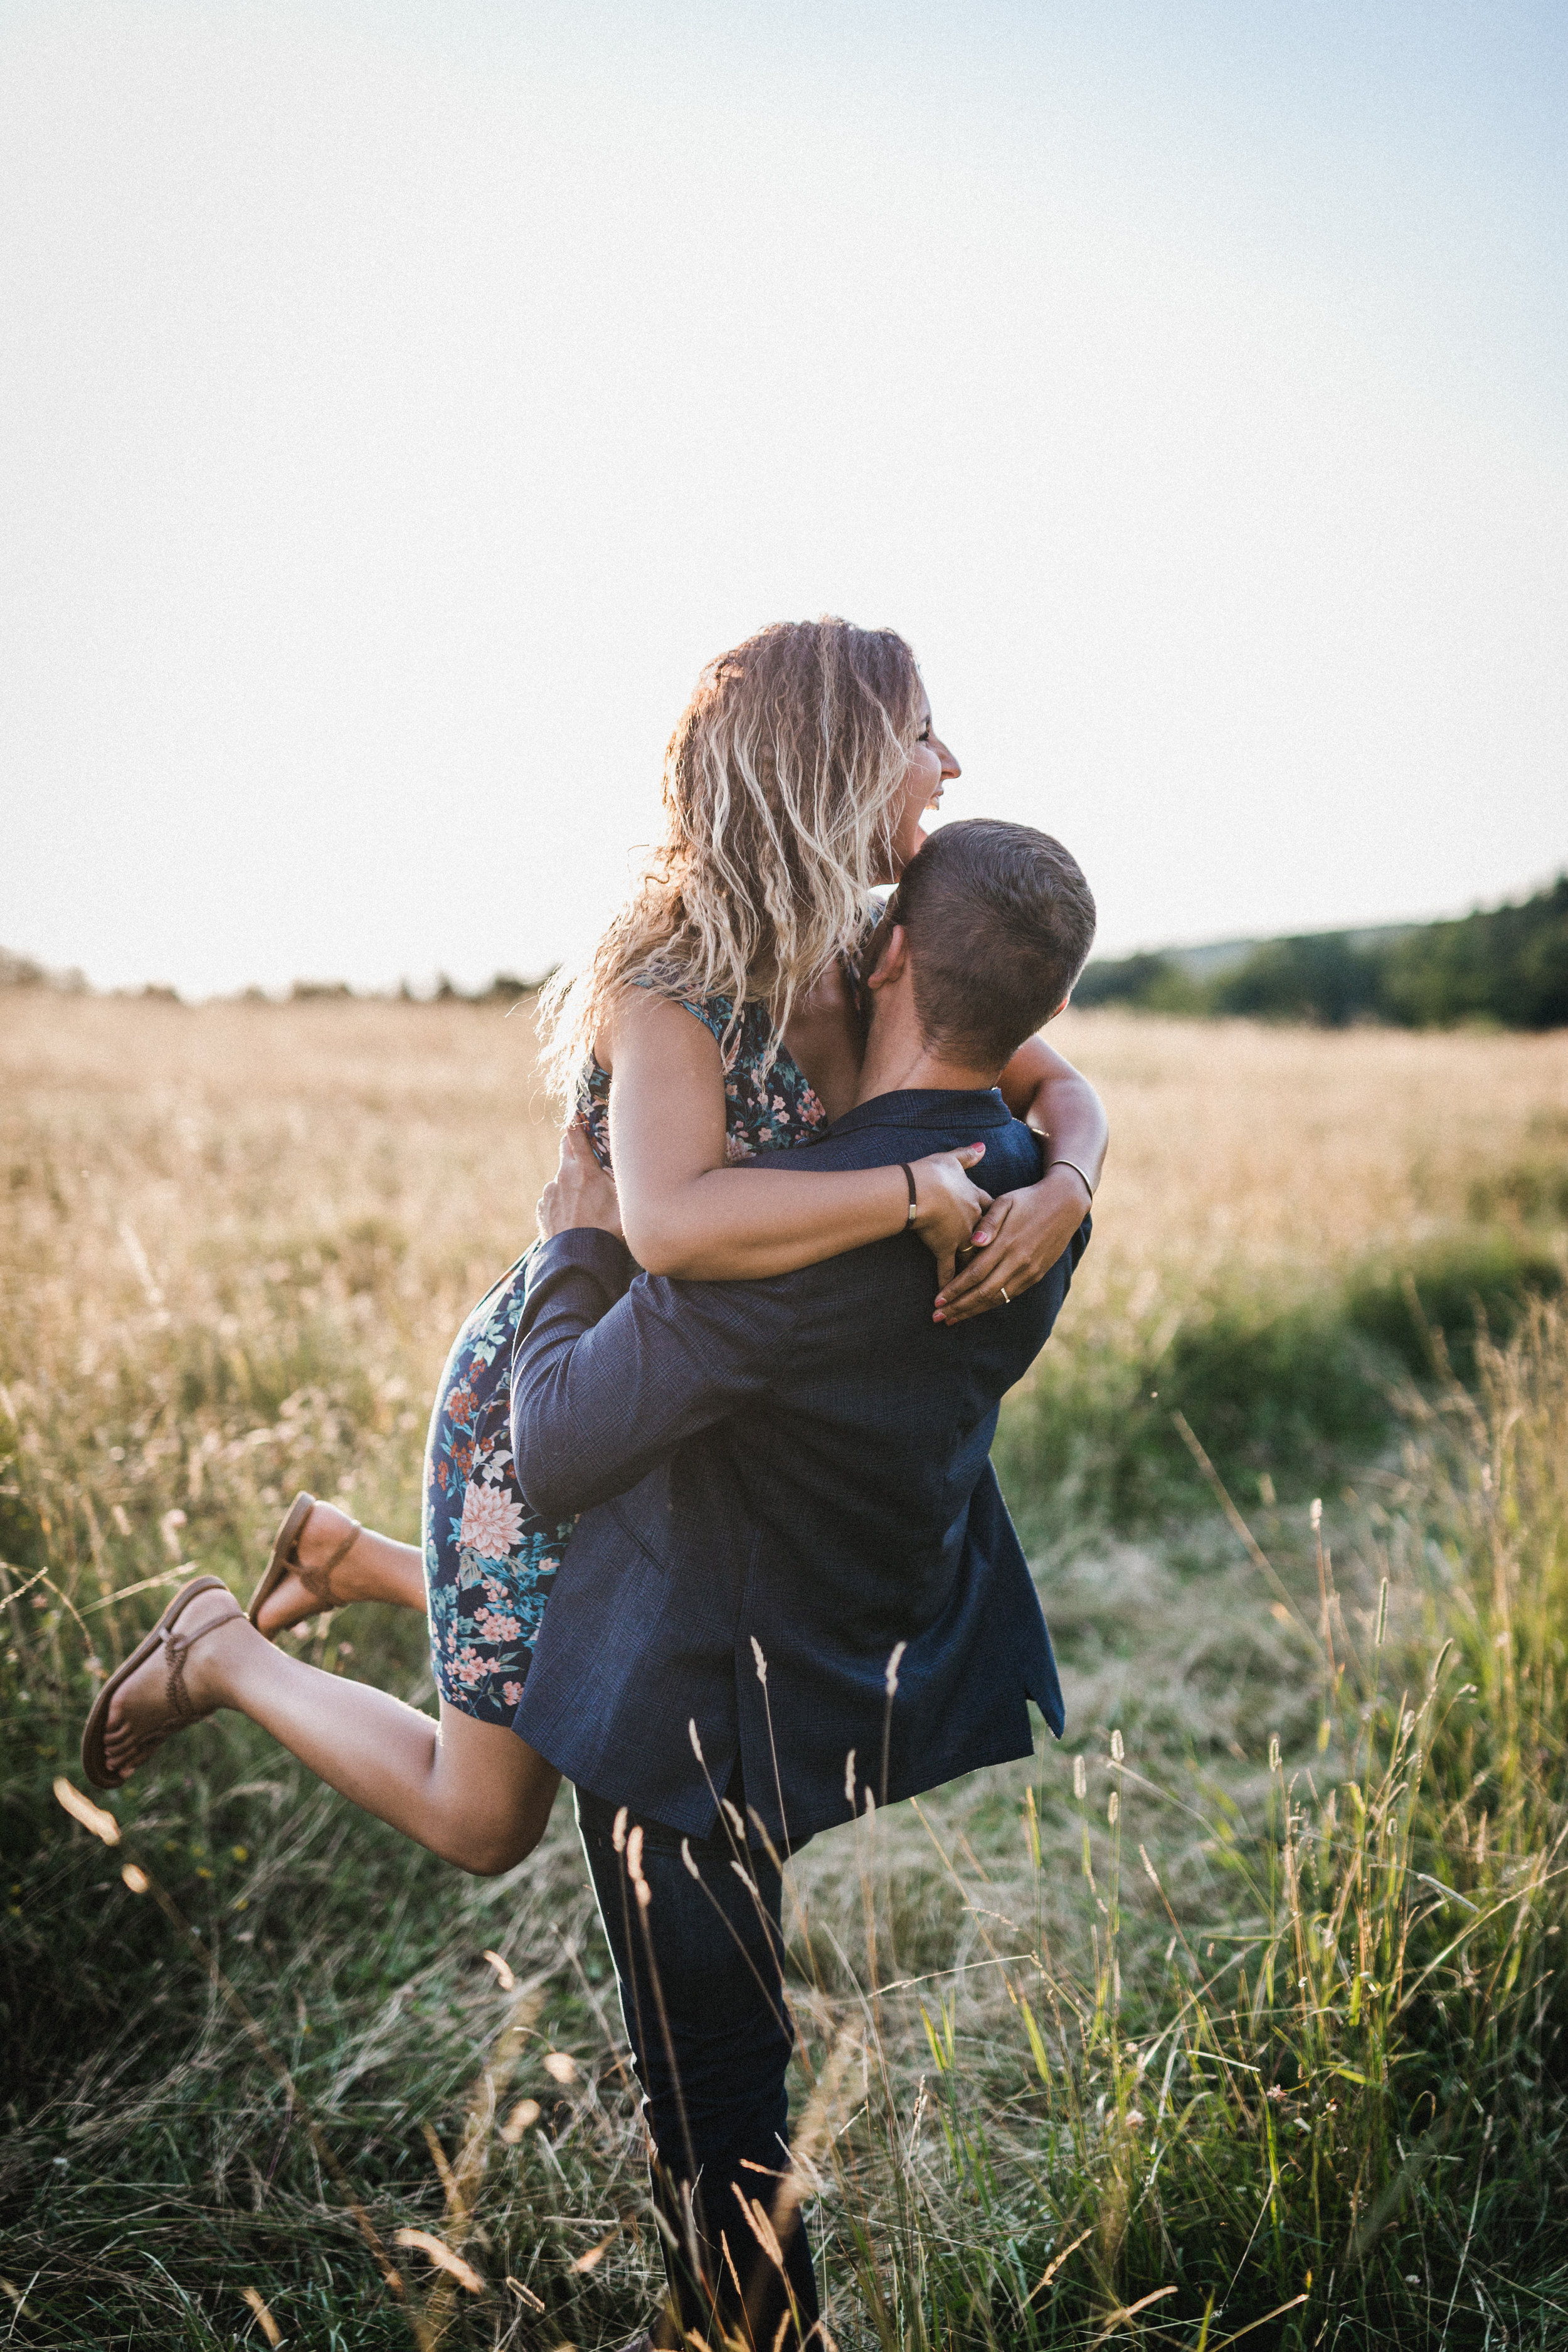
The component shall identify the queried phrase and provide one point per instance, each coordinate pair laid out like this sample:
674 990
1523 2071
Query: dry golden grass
241 1236
1285 1153
235 1243
212 1212
212 1130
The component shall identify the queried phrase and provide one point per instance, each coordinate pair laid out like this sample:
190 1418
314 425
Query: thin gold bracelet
1078 1172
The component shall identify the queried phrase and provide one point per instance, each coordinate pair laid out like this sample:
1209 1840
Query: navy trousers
701 1986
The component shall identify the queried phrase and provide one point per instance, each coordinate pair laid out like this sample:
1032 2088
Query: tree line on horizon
504 988
1507 965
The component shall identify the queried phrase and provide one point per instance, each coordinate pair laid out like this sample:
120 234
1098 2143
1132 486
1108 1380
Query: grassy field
1240 2012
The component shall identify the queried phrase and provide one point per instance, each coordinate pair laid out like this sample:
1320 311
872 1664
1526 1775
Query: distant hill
1211 957
1506 964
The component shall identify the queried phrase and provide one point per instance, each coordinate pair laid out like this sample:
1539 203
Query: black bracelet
909 1180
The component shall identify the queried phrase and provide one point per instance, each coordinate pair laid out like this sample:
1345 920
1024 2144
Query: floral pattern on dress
766 1106
489 1562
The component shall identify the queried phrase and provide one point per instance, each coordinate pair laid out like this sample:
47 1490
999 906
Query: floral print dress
489 1562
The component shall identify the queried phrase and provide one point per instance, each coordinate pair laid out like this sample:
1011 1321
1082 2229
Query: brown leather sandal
285 1561
176 1648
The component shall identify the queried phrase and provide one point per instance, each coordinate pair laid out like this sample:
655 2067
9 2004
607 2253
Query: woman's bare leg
374 1568
473 1792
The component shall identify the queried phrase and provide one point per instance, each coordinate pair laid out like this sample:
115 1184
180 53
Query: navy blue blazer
794 1553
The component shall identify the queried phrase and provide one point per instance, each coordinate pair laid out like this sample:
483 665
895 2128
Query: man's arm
606 1382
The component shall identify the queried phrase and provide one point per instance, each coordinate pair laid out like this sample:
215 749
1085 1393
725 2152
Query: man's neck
902 1063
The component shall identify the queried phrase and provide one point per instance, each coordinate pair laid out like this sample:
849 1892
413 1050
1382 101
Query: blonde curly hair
782 790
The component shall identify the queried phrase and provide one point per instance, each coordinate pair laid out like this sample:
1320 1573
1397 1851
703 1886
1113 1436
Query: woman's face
932 768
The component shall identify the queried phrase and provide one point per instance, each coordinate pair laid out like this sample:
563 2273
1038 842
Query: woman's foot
179 1682
331 1560
321 1571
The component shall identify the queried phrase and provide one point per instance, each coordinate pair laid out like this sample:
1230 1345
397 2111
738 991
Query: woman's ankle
322 1534
214 1665
374 1567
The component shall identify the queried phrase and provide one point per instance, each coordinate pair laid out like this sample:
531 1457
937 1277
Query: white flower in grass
492 1521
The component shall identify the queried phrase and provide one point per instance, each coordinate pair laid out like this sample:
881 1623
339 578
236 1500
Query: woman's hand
579 1193
1016 1245
947 1205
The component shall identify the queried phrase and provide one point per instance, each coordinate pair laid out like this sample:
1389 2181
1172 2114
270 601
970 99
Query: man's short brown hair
999 921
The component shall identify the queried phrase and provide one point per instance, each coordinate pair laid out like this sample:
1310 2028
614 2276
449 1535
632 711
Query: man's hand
579 1193
1017 1243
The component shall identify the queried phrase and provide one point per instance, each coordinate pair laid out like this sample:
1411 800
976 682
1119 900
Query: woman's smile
932 768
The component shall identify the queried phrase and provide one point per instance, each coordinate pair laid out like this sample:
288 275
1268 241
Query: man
795 1585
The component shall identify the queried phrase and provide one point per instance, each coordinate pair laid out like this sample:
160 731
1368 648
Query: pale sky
399 403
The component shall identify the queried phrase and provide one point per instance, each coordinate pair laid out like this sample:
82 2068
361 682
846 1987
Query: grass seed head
264 2319
436 2250
81 1809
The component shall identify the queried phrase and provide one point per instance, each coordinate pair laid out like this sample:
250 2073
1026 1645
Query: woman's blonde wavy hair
782 787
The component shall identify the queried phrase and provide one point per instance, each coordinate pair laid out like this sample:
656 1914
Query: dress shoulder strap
715 1012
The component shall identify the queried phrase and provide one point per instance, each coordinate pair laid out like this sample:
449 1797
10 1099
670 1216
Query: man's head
998 921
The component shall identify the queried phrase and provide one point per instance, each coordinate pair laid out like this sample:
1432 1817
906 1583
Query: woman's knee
493 1839
489 1850
497 1795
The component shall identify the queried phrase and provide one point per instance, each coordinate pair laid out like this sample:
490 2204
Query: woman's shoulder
748 1030
746 1046
768 1102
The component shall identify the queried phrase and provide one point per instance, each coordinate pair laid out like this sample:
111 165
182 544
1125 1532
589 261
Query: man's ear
893 955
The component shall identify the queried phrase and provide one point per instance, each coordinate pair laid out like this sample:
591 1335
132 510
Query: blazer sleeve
607 1381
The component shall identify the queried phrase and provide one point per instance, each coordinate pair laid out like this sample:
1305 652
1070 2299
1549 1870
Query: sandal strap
318 1580
177 1647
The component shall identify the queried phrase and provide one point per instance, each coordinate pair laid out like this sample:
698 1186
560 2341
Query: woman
718 1014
